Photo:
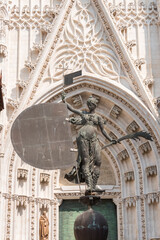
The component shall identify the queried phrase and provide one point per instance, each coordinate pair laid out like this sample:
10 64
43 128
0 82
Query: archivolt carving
85 45
8 220
82 85
33 204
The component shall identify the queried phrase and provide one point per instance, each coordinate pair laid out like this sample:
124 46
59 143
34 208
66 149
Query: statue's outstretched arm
104 132
73 109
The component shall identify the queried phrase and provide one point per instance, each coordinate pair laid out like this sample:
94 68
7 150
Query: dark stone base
90 200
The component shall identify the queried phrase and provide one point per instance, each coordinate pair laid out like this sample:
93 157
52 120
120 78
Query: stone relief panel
84 45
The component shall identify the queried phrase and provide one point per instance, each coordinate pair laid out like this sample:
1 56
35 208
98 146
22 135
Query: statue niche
43 227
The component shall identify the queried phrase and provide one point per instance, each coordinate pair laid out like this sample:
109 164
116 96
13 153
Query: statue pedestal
90 225
90 200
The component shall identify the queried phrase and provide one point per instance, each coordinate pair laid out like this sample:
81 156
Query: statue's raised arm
63 95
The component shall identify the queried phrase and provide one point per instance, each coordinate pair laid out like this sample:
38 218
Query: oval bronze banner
42 138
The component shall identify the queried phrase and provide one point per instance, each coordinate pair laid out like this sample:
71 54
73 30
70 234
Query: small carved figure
89 151
43 227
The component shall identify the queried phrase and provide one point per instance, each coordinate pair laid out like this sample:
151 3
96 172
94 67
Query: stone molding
44 178
1 127
148 81
157 104
28 64
139 62
76 195
130 202
115 111
153 198
132 127
77 101
22 84
1 155
155 238
13 103
151 171
3 50
123 155
129 176
21 202
112 136
128 13
33 204
22 174
35 18
131 44
145 148
37 47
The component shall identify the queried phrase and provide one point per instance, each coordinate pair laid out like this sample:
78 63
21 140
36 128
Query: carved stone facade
22 174
115 44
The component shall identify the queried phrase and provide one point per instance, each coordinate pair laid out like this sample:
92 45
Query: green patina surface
70 209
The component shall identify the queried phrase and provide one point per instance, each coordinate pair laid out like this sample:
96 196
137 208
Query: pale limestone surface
117 46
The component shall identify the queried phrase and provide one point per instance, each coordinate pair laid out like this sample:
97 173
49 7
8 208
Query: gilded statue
43 227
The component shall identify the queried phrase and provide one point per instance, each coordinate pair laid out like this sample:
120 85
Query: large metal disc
42 138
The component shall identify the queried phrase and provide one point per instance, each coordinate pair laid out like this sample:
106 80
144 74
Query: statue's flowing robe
43 228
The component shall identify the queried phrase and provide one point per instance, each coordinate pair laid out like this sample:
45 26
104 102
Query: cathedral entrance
70 209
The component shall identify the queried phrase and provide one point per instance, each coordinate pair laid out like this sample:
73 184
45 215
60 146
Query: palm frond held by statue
135 136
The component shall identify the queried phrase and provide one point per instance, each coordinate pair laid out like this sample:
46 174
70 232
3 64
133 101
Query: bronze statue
89 151
43 227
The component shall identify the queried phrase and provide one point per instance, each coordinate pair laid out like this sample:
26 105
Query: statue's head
92 102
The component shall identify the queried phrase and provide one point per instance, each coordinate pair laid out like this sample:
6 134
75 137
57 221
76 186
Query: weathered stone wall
116 44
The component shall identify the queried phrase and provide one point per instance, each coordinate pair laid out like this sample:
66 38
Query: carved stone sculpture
43 227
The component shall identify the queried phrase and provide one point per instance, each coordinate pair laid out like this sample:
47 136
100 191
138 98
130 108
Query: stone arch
133 193
137 111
